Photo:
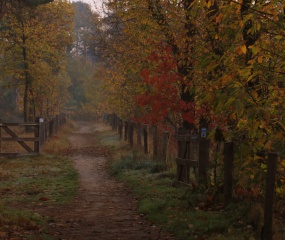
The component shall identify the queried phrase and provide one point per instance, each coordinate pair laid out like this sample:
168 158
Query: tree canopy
34 41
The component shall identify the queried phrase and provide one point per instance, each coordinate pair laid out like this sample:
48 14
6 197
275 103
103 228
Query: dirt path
104 209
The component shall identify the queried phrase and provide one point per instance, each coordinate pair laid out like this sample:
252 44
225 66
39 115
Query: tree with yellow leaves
34 42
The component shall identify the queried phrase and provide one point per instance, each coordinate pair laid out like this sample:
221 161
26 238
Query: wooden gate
29 141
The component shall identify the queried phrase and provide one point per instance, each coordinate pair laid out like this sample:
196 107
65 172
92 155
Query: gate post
38 134
269 195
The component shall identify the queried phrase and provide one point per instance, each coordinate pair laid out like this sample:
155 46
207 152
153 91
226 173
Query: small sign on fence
203 132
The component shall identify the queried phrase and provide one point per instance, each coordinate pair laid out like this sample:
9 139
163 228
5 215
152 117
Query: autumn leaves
179 61
33 46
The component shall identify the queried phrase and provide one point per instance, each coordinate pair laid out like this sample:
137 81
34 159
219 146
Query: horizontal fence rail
35 134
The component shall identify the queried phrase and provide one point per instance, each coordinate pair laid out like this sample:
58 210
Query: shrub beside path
104 208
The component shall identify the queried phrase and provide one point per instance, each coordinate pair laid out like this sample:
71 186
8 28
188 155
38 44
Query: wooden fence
193 153
29 136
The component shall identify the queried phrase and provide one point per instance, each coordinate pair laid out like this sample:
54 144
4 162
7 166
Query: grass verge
179 209
30 183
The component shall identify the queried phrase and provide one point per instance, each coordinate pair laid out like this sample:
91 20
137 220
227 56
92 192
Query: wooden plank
16 139
13 155
18 124
187 162
12 134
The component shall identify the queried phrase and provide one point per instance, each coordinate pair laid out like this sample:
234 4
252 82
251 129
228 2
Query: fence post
46 130
64 118
228 171
0 135
131 133
37 134
139 134
183 152
155 143
269 195
145 139
204 147
120 126
126 130
113 121
51 127
60 119
164 146
57 122
43 131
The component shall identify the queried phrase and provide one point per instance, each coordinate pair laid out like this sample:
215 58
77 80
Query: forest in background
45 63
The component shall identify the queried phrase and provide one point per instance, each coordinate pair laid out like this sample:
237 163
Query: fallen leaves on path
94 151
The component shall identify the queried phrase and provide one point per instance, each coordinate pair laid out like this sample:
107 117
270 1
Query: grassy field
28 183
